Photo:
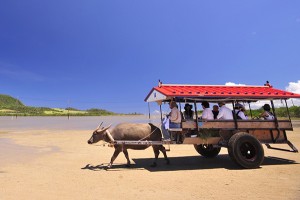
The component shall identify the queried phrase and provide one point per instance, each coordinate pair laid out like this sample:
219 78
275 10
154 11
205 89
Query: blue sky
109 54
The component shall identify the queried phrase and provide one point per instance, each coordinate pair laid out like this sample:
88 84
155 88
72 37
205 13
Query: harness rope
148 135
112 140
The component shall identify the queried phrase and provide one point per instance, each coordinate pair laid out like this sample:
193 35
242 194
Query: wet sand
59 164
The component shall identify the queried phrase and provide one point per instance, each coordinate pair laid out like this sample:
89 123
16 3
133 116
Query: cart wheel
229 149
246 150
207 151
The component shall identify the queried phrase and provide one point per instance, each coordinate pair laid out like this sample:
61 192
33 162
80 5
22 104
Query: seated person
188 114
174 115
224 112
207 113
267 114
215 111
173 120
238 111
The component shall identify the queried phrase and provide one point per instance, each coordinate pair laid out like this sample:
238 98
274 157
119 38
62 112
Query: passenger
238 111
215 111
173 120
188 113
267 114
224 112
207 113
174 115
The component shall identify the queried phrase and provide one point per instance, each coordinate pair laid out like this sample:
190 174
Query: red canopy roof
218 92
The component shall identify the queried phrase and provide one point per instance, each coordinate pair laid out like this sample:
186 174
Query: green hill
8 102
10 106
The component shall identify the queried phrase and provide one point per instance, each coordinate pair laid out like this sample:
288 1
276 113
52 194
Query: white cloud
295 88
233 84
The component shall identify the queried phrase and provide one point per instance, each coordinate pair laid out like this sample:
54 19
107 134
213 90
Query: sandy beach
59 164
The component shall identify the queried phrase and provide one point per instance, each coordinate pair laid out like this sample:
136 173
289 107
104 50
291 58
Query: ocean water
72 123
77 123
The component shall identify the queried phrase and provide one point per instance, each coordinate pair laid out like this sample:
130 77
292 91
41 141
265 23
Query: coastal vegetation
10 106
281 112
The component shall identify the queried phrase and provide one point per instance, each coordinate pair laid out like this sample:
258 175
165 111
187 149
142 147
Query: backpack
236 115
270 116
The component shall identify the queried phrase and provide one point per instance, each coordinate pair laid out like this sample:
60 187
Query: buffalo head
98 134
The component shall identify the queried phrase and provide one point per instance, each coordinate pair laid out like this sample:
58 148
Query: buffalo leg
156 154
114 156
163 150
127 157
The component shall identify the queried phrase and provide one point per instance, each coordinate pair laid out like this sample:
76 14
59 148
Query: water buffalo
134 132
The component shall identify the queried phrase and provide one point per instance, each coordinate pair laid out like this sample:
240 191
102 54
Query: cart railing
239 124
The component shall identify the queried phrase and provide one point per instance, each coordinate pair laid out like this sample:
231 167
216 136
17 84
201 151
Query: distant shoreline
66 115
10 106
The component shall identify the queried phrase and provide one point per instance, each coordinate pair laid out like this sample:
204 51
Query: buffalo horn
107 127
103 129
99 126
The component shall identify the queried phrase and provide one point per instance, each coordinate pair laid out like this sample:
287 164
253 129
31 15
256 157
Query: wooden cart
242 138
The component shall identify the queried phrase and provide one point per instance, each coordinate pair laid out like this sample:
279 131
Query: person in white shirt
207 114
224 112
238 110
267 114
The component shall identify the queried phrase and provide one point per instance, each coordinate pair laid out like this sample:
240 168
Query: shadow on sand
187 163
115 167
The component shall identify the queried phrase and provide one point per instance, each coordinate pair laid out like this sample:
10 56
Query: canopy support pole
288 112
149 111
234 116
196 112
250 109
276 122
161 118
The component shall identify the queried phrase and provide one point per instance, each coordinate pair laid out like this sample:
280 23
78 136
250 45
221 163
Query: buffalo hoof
107 167
128 165
153 165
